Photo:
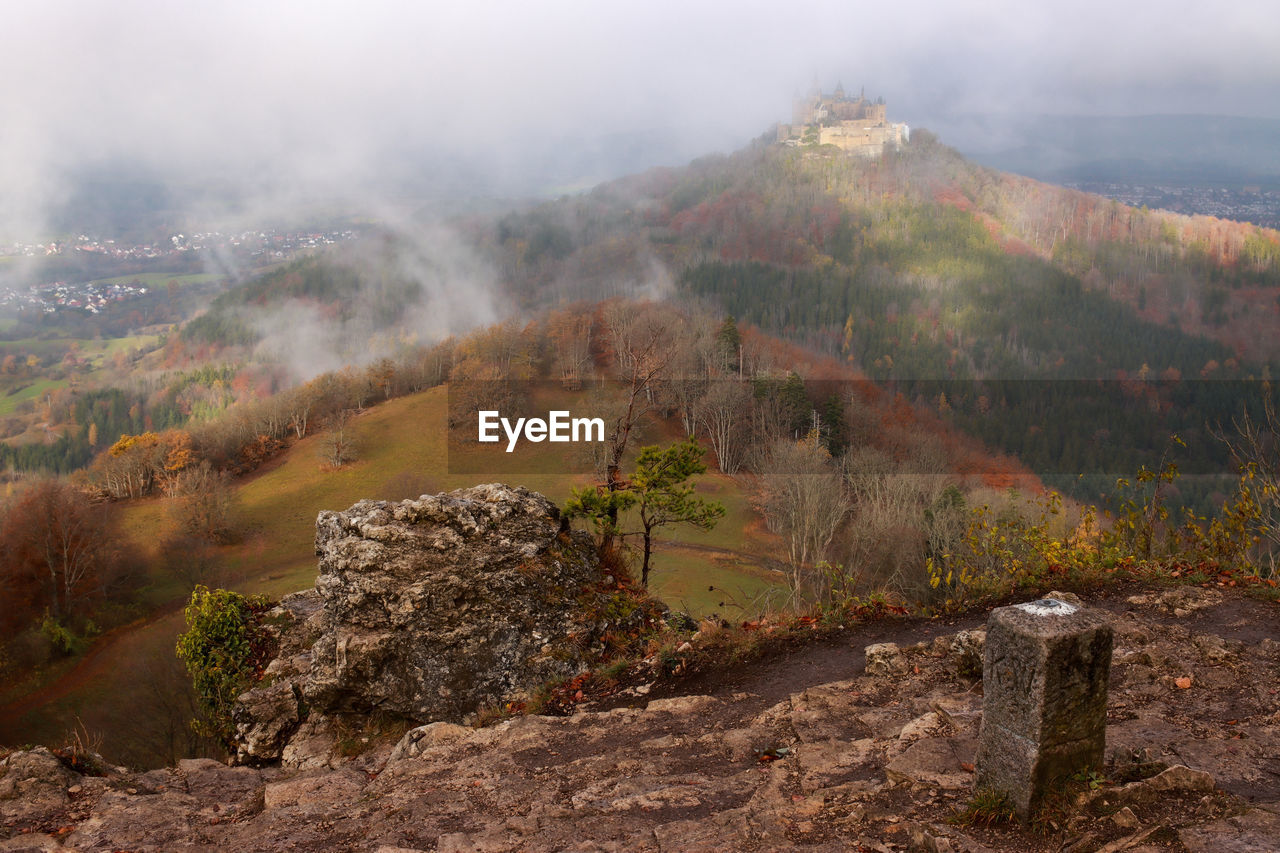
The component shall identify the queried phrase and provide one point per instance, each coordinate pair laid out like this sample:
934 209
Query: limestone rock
429 609
1214 649
873 762
1045 673
965 649
1176 778
313 745
936 838
35 774
436 606
422 739
265 717
1180 600
1255 831
31 843
315 793
933 760
884 659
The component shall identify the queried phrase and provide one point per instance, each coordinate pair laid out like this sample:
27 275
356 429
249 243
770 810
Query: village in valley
253 247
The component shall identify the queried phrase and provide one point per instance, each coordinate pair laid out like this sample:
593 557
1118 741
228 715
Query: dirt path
95 663
762 563
789 669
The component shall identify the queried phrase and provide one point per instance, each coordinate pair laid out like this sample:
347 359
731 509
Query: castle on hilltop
852 124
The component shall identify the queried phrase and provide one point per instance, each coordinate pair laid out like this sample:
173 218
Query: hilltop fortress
852 124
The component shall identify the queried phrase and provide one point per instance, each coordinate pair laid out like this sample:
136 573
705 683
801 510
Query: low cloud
266 107
415 286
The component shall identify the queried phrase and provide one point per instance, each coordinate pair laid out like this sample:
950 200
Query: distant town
1246 204
257 243
49 298
259 247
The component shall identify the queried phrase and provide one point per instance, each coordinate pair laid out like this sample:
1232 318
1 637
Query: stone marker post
1044 707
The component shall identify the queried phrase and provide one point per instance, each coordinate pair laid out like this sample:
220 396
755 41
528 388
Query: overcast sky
318 97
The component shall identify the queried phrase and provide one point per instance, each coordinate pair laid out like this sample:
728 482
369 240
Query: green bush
225 648
60 637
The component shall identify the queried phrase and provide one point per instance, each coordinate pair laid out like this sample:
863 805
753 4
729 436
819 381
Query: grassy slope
401 452
16 392
401 446
16 389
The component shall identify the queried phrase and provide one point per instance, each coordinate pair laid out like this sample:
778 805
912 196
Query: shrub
62 639
224 648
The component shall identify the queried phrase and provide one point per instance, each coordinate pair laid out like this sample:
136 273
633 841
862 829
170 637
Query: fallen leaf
1183 683
772 754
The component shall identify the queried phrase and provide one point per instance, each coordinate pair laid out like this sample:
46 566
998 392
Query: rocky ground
824 748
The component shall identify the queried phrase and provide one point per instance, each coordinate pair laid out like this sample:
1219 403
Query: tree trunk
644 564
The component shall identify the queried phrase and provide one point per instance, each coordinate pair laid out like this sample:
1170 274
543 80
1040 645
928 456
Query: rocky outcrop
871 762
428 610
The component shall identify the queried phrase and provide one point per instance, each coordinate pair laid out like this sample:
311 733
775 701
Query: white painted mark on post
1047 607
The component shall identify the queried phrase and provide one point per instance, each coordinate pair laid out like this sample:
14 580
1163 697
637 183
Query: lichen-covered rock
265 718
429 609
884 659
35 773
420 740
966 650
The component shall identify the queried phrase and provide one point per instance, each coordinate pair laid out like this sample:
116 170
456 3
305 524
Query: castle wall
864 139
855 125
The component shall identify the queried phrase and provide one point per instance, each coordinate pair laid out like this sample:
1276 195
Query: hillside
916 227
953 282
927 271
401 453
228 496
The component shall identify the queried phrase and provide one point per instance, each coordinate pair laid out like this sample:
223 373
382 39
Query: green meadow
401 451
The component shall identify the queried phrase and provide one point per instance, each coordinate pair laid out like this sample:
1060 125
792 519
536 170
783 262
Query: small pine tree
795 399
665 495
660 489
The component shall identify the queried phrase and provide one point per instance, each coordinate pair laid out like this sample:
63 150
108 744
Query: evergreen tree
729 341
662 492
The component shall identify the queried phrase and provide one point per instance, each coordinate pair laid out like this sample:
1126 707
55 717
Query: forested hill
865 256
1068 329
923 265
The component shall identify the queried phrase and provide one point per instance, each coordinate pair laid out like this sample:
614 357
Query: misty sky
345 100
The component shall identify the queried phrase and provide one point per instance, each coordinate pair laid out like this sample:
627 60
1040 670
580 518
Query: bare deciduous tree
900 514
642 338
54 533
571 333
203 503
724 414
337 447
804 501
